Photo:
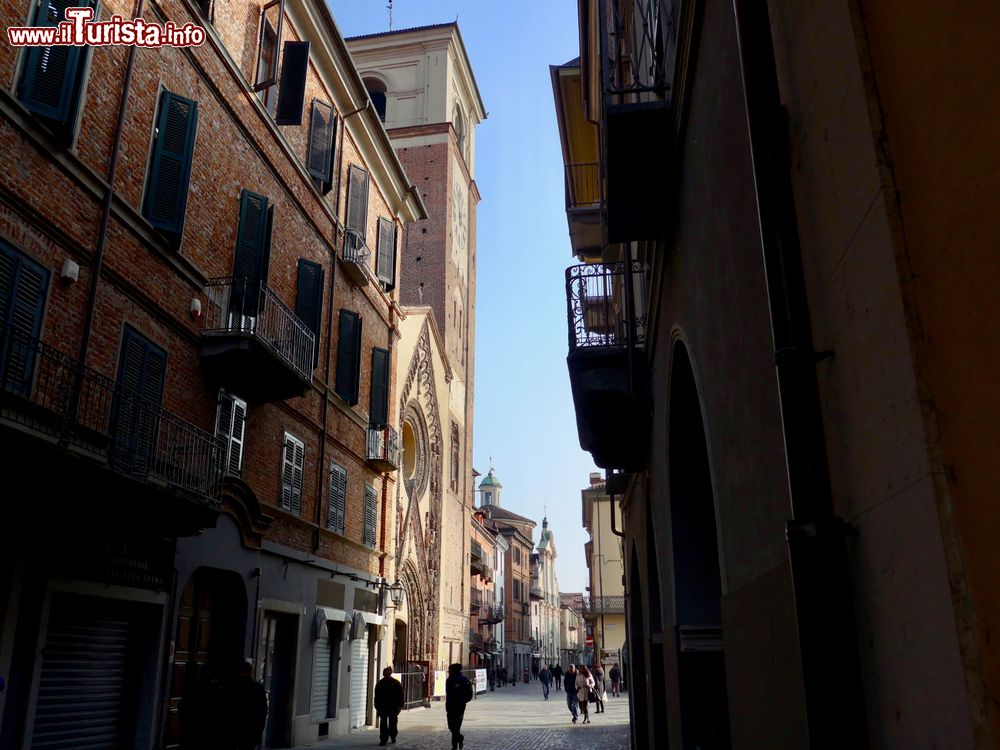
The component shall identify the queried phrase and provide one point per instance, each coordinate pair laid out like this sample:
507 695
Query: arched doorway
208 648
697 576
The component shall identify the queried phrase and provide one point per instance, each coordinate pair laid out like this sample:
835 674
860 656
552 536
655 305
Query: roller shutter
359 679
321 677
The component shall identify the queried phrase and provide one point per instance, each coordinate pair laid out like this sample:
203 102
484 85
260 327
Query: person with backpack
458 692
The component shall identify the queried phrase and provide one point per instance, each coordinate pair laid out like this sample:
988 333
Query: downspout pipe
828 641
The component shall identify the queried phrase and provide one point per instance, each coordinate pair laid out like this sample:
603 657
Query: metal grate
595 303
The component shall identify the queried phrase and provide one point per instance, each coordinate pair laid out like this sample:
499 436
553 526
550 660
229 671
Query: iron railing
48 392
476 640
415 688
604 605
583 186
596 309
475 600
477 550
495 614
356 250
238 307
635 48
383 445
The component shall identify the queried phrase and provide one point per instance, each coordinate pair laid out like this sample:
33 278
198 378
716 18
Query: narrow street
511 718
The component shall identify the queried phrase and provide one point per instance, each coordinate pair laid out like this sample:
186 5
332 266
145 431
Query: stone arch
419 639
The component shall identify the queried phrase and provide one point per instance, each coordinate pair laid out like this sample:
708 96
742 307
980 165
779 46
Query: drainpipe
102 232
831 669
385 476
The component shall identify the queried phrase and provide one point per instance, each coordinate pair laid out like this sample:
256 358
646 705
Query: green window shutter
337 499
142 368
385 258
371 513
252 251
50 74
319 154
23 287
292 458
348 357
292 89
230 425
378 402
170 163
357 200
309 300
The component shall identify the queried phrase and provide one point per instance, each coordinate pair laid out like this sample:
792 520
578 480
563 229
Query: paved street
508 719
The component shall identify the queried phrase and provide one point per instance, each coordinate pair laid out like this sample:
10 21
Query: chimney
595 478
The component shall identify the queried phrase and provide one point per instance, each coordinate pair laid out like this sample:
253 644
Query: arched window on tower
458 121
377 92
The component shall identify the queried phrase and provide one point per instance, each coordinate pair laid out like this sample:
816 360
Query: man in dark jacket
249 708
388 703
557 676
544 676
569 682
458 692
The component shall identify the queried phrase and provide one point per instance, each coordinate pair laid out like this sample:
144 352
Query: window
458 122
517 555
377 93
142 367
23 287
357 200
309 300
170 163
269 41
319 155
292 458
253 254
378 400
292 90
371 511
385 258
207 8
455 452
337 501
52 77
348 378
230 424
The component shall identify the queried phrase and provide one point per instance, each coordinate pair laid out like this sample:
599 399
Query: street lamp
396 593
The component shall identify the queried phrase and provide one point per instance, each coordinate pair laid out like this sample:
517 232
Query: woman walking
584 686
601 692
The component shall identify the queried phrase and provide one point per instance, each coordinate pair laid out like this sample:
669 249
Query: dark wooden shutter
348 356
386 256
309 300
293 455
292 89
378 402
142 367
252 245
357 200
50 73
231 426
371 513
23 287
319 157
170 164
337 499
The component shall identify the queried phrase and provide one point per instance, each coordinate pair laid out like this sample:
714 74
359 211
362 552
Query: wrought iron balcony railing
356 257
238 307
583 186
477 550
475 600
476 640
494 614
596 307
383 448
597 605
50 393
635 48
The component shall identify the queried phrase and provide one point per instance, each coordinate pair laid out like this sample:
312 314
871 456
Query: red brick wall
51 216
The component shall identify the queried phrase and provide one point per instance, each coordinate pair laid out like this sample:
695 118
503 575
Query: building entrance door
277 671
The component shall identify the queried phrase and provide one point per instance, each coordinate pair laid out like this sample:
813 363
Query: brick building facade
199 312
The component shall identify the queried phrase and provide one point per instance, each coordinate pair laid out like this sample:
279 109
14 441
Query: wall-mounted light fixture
70 272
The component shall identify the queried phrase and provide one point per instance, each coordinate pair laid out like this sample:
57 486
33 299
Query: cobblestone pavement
509 719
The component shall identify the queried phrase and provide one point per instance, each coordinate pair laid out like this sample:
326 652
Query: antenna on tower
389 8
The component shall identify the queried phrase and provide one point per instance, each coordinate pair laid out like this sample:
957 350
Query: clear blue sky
524 411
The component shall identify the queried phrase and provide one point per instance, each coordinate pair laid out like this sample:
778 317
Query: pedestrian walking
503 676
569 682
543 677
616 680
599 675
458 692
247 709
388 702
600 693
584 691
557 674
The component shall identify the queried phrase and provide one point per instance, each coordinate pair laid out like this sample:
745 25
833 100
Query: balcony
66 427
604 605
635 57
356 258
476 640
583 209
493 614
383 448
253 345
475 601
607 365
